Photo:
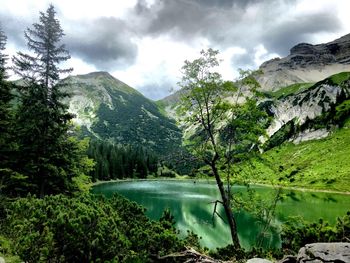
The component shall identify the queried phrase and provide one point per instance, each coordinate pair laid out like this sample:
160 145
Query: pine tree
44 40
3 56
47 154
5 98
10 181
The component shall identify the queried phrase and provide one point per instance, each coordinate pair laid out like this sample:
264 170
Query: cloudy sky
145 42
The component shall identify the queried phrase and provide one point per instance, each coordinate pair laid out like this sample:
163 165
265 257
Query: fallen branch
188 256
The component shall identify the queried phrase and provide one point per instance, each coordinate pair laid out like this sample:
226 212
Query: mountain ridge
306 63
108 109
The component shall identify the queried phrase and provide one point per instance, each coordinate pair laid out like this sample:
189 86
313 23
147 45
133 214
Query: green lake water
191 204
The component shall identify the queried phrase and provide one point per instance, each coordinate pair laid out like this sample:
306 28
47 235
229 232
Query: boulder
324 252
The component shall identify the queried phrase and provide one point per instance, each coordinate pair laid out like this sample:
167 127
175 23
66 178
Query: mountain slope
109 109
306 63
316 164
308 102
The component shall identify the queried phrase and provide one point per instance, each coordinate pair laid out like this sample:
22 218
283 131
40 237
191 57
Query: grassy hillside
319 164
340 77
289 90
335 79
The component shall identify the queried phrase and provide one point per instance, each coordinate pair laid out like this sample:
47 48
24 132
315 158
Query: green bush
87 228
297 232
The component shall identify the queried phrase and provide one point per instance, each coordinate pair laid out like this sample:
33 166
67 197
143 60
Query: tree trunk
226 204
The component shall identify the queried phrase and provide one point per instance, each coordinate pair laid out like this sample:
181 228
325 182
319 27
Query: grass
340 77
288 90
319 164
336 79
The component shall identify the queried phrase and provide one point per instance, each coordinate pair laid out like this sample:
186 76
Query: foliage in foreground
87 228
296 233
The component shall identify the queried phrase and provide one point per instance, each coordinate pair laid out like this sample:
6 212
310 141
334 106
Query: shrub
297 232
87 228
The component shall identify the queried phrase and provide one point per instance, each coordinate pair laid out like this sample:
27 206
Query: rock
2 260
258 260
324 252
308 135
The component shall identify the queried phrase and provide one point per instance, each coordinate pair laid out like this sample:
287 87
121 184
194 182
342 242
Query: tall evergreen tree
3 55
9 179
5 98
44 40
47 154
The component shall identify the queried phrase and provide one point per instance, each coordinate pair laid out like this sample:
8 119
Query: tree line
118 162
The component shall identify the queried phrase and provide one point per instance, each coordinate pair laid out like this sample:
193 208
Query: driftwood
188 256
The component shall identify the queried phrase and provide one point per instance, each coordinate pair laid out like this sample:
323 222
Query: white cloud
261 55
226 56
82 9
158 59
79 66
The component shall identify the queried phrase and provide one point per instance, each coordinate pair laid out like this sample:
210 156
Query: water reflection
192 206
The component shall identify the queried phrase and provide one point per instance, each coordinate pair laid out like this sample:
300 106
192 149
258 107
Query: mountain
307 111
306 63
108 109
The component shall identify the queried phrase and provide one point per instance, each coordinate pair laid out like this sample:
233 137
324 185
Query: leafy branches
225 120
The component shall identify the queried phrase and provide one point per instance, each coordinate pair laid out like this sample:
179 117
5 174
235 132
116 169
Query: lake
191 203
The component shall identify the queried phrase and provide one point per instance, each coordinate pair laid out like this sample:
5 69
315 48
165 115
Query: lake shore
295 188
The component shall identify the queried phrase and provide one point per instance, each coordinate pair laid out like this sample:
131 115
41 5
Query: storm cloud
156 90
14 28
236 23
283 36
105 43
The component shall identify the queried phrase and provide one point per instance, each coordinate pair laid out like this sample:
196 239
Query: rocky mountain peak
307 63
